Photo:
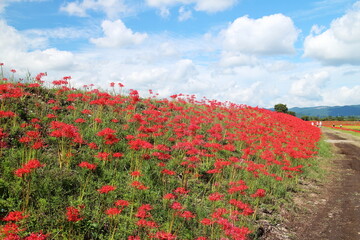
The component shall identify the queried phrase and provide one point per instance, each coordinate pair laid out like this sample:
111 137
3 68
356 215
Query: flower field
352 126
89 164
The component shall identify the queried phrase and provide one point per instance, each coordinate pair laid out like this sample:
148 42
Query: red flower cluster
87 165
28 167
106 189
15 216
259 193
61 130
139 185
108 136
73 214
120 205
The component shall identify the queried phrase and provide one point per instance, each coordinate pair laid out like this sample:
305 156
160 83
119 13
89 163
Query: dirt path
330 211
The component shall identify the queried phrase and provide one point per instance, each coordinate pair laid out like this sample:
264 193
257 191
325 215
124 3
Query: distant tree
281 108
292 113
305 118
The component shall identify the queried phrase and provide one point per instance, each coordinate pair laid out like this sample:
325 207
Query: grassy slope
210 156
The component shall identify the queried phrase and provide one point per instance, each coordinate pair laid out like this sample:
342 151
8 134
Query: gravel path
330 211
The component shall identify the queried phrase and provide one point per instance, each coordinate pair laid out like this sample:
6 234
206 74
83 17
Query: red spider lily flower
108 135
121 85
87 165
181 190
73 214
13 70
10 231
25 125
245 207
206 221
102 156
33 164
176 206
136 174
259 193
38 145
213 171
98 120
122 203
113 211
28 167
21 171
15 216
4 114
112 84
201 238
80 120
168 172
187 214
106 189
105 132
37 236
278 178
145 223
51 116
59 82
35 120
237 187
92 145
139 185
216 196
219 212
61 129
164 236
140 144
86 111
161 164
143 211
117 155
134 238
55 108
169 196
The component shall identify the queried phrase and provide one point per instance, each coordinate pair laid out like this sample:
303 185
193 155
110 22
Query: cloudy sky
254 52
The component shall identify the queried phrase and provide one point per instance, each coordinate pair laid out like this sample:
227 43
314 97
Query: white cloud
232 59
344 95
310 86
13 39
225 66
74 9
200 5
16 48
274 34
117 35
61 33
112 8
164 12
340 43
184 14
214 5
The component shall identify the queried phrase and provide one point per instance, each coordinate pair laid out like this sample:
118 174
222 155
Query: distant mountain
326 111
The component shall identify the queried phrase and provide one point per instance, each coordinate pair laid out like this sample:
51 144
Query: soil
330 209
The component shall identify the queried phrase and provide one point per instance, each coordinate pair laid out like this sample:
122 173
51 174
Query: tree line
280 107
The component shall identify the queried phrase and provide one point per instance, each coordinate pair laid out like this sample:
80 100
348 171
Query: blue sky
254 52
